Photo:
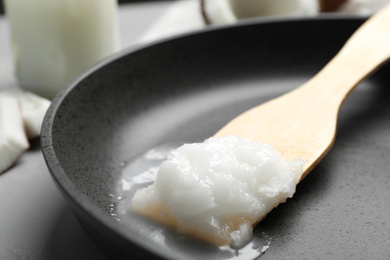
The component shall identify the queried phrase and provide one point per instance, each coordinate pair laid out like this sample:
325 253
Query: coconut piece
13 139
230 11
33 109
217 12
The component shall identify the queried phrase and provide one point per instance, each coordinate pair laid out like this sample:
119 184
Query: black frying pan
99 132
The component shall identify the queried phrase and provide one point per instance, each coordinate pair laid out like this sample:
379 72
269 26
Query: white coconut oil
55 41
219 189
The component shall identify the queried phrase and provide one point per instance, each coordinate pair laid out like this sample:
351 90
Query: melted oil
141 173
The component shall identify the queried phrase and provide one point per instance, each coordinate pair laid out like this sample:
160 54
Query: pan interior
112 129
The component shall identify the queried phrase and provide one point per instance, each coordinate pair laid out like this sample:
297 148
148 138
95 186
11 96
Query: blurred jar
54 41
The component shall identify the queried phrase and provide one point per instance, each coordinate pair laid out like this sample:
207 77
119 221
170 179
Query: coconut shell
203 12
330 5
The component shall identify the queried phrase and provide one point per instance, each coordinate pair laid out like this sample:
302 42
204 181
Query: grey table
35 221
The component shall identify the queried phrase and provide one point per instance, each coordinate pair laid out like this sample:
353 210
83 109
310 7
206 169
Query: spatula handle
363 53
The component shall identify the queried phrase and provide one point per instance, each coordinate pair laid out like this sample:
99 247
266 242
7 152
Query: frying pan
105 134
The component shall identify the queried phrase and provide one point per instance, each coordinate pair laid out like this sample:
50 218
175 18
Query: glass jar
54 41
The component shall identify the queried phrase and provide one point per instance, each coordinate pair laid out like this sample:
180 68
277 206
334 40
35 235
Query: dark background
119 1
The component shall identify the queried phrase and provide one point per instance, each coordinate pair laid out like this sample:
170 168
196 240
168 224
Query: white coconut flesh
13 139
33 109
229 11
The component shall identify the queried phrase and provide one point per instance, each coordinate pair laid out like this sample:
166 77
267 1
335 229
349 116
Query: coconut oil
219 189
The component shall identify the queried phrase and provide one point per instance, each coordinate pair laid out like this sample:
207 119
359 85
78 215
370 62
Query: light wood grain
302 123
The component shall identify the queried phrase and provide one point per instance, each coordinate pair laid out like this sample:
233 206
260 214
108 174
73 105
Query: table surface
35 220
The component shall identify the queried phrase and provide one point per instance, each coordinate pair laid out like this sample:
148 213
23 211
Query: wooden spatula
302 123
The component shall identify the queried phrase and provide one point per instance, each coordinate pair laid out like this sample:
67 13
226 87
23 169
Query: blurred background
119 1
